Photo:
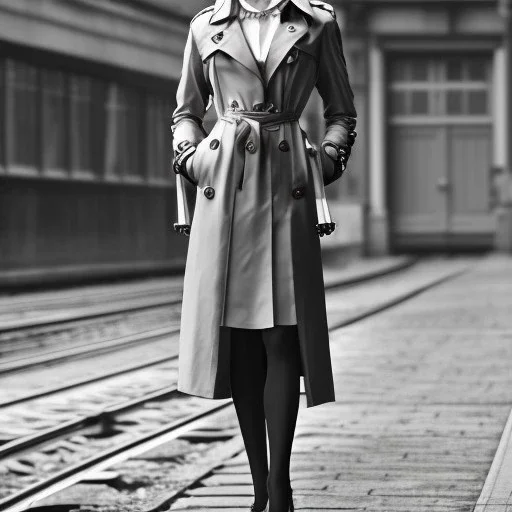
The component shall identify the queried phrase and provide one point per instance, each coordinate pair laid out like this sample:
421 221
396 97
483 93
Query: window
454 102
477 70
440 87
81 96
454 70
399 102
418 71
55 120
2 114
159 144
125 132
419 102
24 132
478 102
58 124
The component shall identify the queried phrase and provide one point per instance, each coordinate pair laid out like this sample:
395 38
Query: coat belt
325 225
266 119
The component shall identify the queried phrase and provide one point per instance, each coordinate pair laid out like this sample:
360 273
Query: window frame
438 85
102 77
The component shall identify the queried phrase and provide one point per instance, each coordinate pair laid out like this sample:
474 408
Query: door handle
443 184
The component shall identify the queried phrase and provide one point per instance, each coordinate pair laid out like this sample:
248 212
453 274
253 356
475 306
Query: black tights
265 384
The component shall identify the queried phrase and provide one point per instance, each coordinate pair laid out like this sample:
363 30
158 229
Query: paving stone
421 401
222 490
493 508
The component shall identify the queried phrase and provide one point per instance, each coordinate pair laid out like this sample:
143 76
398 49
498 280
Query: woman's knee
281 342
246 345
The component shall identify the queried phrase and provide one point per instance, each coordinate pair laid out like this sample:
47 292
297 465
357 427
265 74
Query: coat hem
323 401
226 396
202 394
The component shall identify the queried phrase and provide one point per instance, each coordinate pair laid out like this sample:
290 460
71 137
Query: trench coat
218 66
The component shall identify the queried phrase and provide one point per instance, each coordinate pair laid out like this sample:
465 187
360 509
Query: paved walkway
422 397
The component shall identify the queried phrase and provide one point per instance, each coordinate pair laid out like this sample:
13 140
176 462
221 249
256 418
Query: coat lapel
232 39
287 34
235 44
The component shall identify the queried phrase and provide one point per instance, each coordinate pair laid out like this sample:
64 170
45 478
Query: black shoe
264 510
291 507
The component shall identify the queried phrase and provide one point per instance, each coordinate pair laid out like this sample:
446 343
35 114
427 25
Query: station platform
421 352
422 402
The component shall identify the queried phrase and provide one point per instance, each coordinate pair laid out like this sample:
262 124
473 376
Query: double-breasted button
218 37
214 144
298 192
234 104
258 107
250 146
209 192
290 28
284 146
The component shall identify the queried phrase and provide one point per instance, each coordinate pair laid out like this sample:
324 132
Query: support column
503 178
499 109
378 226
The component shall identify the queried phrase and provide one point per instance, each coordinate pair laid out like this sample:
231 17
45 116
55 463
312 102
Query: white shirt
259 31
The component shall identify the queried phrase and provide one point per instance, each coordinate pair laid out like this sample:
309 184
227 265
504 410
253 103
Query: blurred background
86 92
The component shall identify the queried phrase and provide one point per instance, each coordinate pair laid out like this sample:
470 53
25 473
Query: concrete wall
112 33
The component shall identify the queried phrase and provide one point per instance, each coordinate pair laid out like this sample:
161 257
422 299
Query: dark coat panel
232 211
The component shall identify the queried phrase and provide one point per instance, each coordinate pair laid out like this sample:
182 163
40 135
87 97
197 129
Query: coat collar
233 41
225 9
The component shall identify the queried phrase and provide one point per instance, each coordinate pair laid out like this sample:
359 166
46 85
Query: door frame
379 235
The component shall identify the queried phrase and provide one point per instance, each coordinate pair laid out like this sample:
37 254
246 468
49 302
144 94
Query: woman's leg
248 373
281 401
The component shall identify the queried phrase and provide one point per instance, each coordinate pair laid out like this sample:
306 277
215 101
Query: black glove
339 154
183 152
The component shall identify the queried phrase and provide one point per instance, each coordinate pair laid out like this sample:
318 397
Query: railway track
171 414
51 338
41 330
48 310
23 498
52 309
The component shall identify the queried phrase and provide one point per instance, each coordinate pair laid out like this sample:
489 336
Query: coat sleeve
191 98
334 88
187 127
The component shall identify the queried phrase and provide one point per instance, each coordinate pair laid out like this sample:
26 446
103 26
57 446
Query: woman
253 314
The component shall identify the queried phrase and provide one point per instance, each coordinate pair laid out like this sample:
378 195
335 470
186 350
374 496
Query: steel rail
86 313
105 414
84 382
103 293
357 278
95 348
91 292
21 500
398 300
98 311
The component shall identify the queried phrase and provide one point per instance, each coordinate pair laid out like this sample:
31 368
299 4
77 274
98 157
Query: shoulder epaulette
324 6
203 11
